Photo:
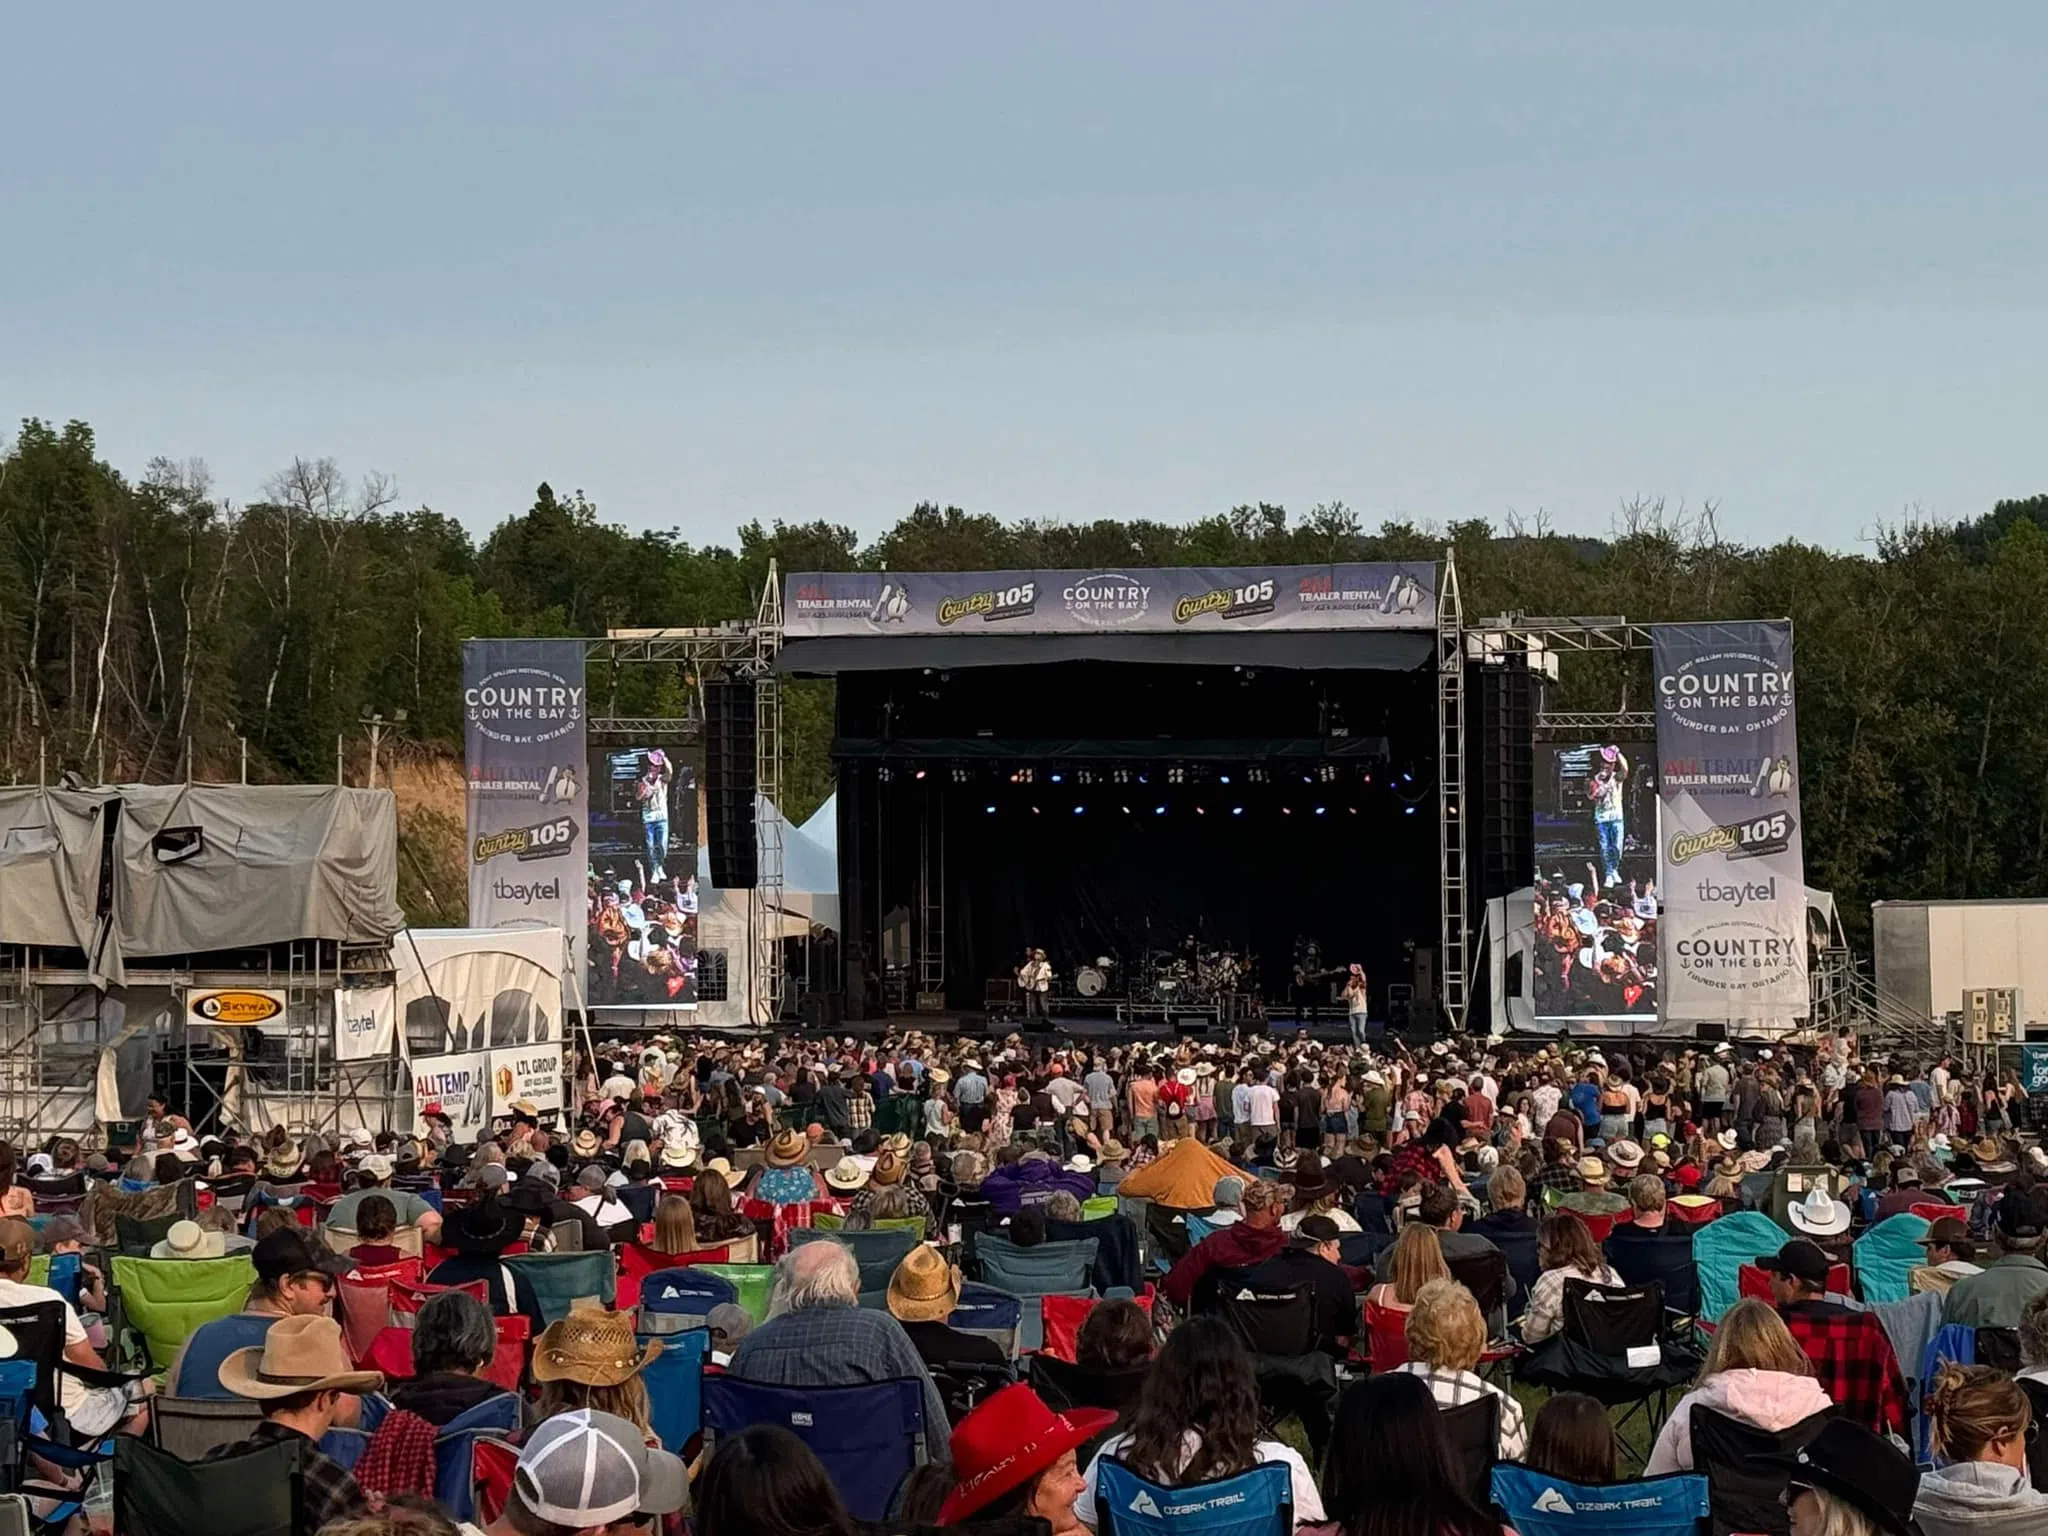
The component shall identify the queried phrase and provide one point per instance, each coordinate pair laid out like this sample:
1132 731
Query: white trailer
1929 953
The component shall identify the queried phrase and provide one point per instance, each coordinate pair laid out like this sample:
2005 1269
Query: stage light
1200 812
1319 810
1286 810
1176 775
991 810
1237 810
1225 779
1127 810
1354 810
1034 810
920 773
1142 779
1055 778
1306 779
1407 778
1158 810
1407 810
1079 809
963 776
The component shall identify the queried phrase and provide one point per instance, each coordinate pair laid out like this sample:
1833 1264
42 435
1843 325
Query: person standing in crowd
1034 980
1358 1004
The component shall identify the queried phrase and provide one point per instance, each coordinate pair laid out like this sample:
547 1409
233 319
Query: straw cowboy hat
888 1169
925 1288
1592 1170
585 1145
591 1346
897 1143
846 1176
189 1240
284 1162
679 1154
788 1149
1625 1154
298 1354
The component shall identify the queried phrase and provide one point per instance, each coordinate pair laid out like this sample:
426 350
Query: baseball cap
376 1165
2020 1214
1313 1231
282 1253
588 1468
493 1176
1798 1260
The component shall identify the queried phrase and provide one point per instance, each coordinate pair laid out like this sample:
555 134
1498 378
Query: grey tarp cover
279 862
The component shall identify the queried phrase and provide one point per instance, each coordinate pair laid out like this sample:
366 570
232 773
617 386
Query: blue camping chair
64 1276
1955 1344
1047 1269
870 1438
1536 1505
1886 1256
675 1387
640 1199
454 1444
878 1252
674 1301
561 1278
1662 1258
1722 1247
993 1314
1255 1503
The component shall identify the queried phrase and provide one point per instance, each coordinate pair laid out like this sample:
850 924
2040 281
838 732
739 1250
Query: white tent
726 920
479 1019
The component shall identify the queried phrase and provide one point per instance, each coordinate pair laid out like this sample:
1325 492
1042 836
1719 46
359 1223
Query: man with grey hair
819 1335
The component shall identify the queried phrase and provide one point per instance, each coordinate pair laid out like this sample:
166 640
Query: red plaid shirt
1853 1360
1410 1154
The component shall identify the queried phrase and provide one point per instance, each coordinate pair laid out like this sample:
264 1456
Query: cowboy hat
283 1162
1007 1441
480 1227
585 1145
1592 1170
720 1166
846 1175
298 1354
1728 1138
888 1169
787 1149
925 1288
1625 1154
1114 1151
897 1143
189 1240
1185 1077
1863 1471
1819 1213
591 1346
678 1154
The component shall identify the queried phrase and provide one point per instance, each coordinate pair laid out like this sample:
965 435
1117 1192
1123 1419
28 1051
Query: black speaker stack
729 783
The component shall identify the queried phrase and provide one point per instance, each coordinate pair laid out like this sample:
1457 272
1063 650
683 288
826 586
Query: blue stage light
1158 810
991 810
1224 779
1319 810
1056 778
1407 810
1079 809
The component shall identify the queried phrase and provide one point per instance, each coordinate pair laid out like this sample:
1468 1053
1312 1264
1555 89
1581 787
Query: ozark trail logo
1143 1505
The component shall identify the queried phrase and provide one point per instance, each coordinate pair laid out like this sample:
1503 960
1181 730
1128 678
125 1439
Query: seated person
593 1197
412 1210
922 1295
300 1374
289 1283
1415 1259
480 1233
1507 1223
376 1220
1311 1262
454 1339
91 1411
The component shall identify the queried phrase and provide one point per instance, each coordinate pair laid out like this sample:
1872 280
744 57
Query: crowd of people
1367 1180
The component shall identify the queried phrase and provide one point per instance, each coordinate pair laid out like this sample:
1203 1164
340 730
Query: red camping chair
1063 1316
781 1220
1693 1215
1931 1211
365 1297
406 1300
1387 1330
637 1261
391 1353
492 1466
1751 1281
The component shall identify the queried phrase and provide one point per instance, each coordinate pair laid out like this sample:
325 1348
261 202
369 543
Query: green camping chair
558 1279
165 1300
752 1281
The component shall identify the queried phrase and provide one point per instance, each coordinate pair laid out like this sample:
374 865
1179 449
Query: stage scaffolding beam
1453 968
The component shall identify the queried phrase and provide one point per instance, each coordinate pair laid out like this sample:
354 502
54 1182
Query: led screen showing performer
642 879
1596 881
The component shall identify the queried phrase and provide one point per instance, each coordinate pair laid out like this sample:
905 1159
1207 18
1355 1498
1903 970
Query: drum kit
1189 975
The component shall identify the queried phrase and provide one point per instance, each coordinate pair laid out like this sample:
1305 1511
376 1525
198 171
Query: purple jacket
1009 1188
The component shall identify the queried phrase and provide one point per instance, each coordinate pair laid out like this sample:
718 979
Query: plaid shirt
1410 1154
1562 1177
331 1493
1454 1389
1853 1361
860 1111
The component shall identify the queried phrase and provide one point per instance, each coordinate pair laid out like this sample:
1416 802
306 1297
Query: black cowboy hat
483 1226
1864 1471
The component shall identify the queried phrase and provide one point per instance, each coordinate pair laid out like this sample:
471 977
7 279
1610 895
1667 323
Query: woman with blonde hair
1415 1259
1565 1251
1755 1372
675 1226
1981 1423
1446 1337
590 1359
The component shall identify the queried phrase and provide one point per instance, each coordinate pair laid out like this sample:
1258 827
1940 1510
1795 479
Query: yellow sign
241 1006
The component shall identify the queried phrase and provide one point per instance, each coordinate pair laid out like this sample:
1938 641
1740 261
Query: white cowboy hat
189 1240
846 1175
1819 1214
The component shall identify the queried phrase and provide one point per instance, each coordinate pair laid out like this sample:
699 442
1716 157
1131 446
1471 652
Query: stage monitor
1596 899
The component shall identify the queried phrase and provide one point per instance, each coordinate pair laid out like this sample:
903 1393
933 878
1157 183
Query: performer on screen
651 792
1604 790
1034 979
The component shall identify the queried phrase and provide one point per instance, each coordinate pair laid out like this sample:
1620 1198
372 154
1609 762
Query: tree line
146 617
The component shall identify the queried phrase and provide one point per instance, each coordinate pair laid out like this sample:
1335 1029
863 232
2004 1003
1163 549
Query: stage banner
2034 1068
233 1007
527 755
532 1074
1136 599
365 1023
1730 868
459 1087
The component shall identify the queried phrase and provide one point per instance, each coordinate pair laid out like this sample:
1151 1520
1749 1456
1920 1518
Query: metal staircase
1845 997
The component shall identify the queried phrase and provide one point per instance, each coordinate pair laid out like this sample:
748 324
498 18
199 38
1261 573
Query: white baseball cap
588 1468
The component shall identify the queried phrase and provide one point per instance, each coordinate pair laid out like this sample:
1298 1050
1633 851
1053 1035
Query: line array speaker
729 783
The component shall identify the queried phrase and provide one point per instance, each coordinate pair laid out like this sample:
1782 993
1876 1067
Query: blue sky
1058 261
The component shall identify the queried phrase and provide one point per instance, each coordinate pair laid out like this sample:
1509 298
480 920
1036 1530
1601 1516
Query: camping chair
1386 1331
869 1437
637 1261
455 1447
1747 1470
963 1384
1886 1257
1689 1215
1199 1230
104 1204
992 1314
559 1279
675 1301
406 1300
365 1307
565 1237
1954 1344
1060 1317
1931 1211
257 1492
1539 1505
1485 1275
1473 1430
877 1252
1663 1259
1612 1346
1043 1270
1255 1503
1293 1375
1721 1248
1755 1283
197 1369
675 1387
165 1300
640 1199
755 1283
135 1236
1063 1385
493 1464
189 1427
39 1337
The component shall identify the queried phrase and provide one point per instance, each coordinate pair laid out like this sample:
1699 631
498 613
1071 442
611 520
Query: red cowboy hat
1009 1440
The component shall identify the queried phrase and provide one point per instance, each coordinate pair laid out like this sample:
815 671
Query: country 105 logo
1243 602
1728 693
991 605
1735 839
542 840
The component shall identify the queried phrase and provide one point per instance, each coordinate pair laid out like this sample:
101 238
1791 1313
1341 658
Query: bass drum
1089 981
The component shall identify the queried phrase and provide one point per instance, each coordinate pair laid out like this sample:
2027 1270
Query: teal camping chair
1722 1247
1886 1257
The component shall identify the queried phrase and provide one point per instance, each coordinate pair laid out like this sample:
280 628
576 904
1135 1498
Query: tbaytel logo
1739 895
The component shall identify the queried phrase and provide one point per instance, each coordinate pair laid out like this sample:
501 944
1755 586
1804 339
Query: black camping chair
1612 1346
1747 1470
2037 1448
1294 1377
136 1236
1485 1275
1662 1258
963 1384
1474 1432
257 1492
